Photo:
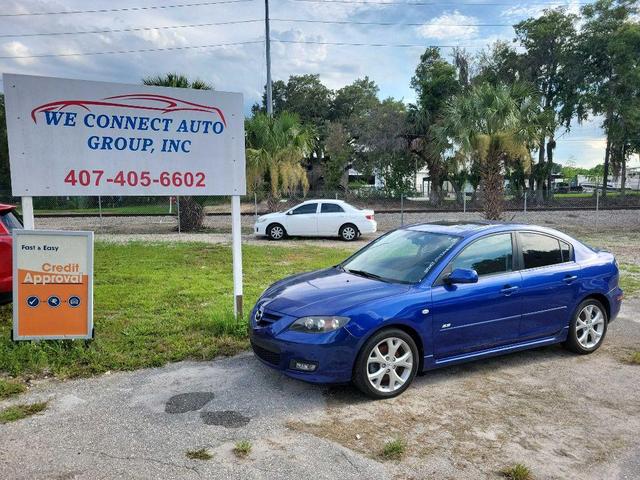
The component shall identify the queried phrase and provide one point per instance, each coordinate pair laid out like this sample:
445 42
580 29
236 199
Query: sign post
75 138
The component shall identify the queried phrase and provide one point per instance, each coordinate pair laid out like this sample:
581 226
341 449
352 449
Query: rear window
10 221
331 208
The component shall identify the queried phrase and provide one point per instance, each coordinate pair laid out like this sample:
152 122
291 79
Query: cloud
162 38
18 49
450 26
527 11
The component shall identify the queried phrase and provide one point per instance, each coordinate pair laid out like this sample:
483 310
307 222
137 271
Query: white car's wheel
275 231
348 232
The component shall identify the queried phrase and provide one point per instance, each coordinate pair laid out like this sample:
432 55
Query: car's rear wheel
387 364
348 232
275 231
588 327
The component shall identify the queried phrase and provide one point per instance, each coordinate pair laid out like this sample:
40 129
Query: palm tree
191 212
276 147
494 125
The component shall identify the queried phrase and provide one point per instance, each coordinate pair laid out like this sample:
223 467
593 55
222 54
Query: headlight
261 219
318 324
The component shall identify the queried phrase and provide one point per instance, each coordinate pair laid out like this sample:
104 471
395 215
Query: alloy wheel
389 364
590 326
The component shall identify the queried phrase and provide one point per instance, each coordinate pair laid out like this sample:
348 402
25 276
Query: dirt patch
545 407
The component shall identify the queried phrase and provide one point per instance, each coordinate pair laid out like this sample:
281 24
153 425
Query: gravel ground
565 416
572 221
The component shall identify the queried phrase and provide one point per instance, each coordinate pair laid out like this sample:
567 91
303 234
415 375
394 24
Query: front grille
267 319
269 356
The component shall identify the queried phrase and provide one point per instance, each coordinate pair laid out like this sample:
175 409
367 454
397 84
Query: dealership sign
76 137
52 284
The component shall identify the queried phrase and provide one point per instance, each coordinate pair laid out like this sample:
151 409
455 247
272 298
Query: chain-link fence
377 200
159 214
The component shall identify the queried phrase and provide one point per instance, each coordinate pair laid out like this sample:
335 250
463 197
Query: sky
232 55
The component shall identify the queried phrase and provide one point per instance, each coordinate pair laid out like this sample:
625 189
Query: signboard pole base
27 213
236 251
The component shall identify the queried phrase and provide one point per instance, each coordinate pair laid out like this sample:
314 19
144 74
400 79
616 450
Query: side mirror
461 275
290 212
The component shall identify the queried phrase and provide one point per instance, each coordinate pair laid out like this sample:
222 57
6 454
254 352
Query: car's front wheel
387 364
276 231
588 327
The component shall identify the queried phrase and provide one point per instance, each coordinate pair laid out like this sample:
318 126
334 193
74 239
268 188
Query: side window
539 250
492 254
566 251
331 208
306 208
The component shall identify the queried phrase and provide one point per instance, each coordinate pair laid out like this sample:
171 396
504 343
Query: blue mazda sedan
431 295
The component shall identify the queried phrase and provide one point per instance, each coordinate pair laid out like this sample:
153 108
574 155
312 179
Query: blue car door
550 284
477 316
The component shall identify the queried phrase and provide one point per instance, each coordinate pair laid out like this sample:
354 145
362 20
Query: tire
348 232
275 231
588 327
367 363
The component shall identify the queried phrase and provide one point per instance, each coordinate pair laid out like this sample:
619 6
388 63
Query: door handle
508 290
570 278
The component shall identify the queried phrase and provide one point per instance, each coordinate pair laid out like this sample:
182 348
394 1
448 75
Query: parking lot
562 415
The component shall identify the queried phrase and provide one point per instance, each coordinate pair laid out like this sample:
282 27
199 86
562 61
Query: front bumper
275 346
260 229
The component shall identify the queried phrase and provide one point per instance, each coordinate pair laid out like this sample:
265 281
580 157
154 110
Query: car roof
6 208
325 200
467 229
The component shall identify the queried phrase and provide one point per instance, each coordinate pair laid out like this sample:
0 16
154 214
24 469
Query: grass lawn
158 303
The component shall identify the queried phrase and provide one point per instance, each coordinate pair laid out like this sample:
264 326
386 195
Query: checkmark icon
33 301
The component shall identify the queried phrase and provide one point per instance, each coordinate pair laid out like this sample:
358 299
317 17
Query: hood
325 292
267 216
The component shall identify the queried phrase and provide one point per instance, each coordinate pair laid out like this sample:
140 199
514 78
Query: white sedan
317 218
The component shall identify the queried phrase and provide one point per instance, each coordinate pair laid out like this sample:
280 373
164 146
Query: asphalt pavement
564 416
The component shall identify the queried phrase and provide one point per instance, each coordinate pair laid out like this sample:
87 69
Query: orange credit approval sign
52 285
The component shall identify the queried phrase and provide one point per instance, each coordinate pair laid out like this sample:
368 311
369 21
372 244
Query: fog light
303 366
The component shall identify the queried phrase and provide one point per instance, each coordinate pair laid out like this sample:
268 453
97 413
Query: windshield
403 256
10 221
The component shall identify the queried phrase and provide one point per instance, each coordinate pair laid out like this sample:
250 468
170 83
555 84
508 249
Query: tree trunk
551 144
605 175
492 182
191 215
623 171
540 176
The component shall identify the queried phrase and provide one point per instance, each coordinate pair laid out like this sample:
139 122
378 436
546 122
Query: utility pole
268 53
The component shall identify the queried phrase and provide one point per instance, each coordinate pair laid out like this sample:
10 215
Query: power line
424 4
365 44
143 50
237 22
125 9
189 47
132 29
399 24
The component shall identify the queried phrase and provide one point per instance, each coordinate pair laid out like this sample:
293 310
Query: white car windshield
402 256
